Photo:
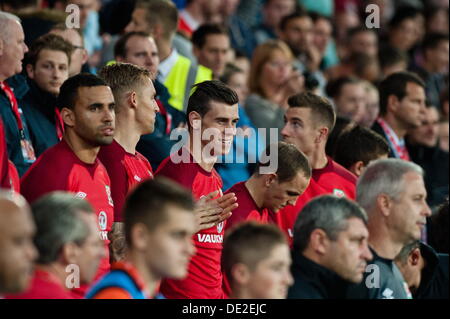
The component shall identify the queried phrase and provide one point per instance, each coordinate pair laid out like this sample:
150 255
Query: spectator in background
392 60
272 11
177 72
357 147
79 54
436 19
372 105
5 181
140 49
196 13
362 40
422 144
425 271
12 50
256 259
434 68
66 234
330 248
211 47
393 194
403 29
241 37
438 229
349 98
272 80
443 135
47 67
17 251
242 62
297 30
402 107
323 40
159 224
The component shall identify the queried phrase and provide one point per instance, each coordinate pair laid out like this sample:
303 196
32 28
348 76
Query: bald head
17 252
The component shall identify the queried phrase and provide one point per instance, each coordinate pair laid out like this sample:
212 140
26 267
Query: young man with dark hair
402 107
309 121
357 147
330 248
17 251
87 106
362 40
256 259
392 60
349 97
422 146
212 117
66 234
159 224
270 189
47 66
211 45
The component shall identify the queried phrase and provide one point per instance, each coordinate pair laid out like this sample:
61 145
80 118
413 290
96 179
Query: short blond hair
123 78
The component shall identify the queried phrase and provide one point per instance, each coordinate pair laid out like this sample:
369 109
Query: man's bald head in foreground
17 251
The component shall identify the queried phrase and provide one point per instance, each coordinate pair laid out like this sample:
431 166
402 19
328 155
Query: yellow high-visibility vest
183 75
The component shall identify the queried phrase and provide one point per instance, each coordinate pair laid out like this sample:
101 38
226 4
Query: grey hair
58 222
5 18
329 213
384 176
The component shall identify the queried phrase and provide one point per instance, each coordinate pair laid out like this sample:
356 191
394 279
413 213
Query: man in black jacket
47 68
330 248
425 271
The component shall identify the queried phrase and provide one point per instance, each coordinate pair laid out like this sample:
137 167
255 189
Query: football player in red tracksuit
212 106
270 191
87 109
309 121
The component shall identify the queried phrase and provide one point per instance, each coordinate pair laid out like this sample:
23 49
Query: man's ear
319 241
85 57
30 71
357 168
139 234
196 51
323 135
1 47
240 274
69 253
393 103
68 117
195 120
269 179
414 257
132 99
384 204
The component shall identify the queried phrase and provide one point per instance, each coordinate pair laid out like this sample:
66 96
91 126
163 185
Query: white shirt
167 65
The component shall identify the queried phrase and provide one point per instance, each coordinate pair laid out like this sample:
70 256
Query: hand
210 212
